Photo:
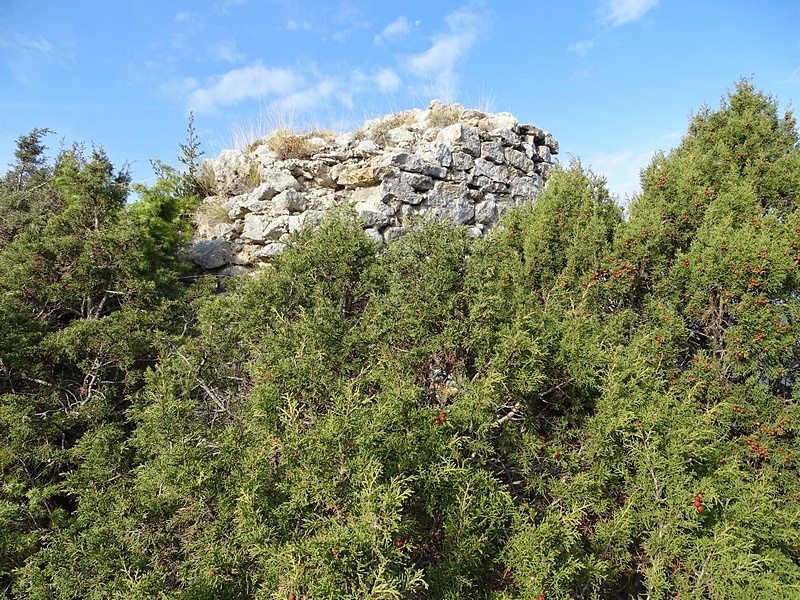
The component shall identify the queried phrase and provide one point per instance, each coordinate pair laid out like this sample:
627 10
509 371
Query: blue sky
613 80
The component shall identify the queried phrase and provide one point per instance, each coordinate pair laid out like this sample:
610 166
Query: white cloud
581 48
619 12
306 99
394 30
190 19
226 51
437 65
622 168
293 25
253 81
388 81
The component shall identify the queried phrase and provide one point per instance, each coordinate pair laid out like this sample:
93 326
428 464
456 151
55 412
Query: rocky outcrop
445 162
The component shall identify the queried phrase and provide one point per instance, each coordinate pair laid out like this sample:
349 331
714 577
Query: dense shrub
579 406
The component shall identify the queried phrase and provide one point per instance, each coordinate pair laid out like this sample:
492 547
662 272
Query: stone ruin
445 162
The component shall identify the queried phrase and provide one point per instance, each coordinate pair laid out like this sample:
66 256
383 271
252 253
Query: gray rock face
447 162
210 254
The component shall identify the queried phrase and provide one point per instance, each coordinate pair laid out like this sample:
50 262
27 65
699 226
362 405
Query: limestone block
518 160
374 234
435 171
471 116
486 211
369 195
494 172
404 161
460 211
493 151
367 148
399 137
321 175
461 136
543 169
400 188
370 208
494 187
351 176
475 232
436 153
236 210
390 234
506 136
310 218
253 230
445 192
370 217
530 151
269 250
551 143
279 179
462 161
544 153
289 201
420 183
525 188
477 182
276 228
503 120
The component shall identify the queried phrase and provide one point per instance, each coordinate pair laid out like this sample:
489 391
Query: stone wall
444 162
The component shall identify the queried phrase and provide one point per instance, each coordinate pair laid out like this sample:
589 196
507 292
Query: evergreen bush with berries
581 405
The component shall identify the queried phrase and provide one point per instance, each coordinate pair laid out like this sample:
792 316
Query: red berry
399 543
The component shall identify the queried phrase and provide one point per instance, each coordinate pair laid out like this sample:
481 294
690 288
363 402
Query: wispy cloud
24 54
437 65
394 30
793 77
619 12
190 19
237 85
226 51
293 25
23 43
351 18
581 48
224 6
622 168
388 81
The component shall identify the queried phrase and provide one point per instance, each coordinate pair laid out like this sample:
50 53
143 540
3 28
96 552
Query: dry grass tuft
443 116
212 213
286 144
